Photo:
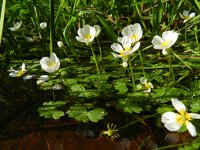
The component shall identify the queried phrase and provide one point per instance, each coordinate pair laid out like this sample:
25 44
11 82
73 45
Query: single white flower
147 85
16 26
174 121
60 44
134 32
86 34
51 64
125 64
186 16
18 73
124 49
166 41
43 25
42 78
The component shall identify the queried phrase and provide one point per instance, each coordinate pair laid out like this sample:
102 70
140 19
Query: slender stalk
100 52
186 31
95 60
2 18
52 30
141 60
132 76
196 36
170 66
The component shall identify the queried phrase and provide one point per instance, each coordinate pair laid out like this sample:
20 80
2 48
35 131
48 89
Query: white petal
192 15
164 52
43 25
60 44
80 39
151 85
174 38
194 115
126 31
81 32
98 30
169 117
23 67
126 42
181 16
117 47
167 35
116 55
143 80
157 40
173 126
135 48
185 13
191 128
178 105
119 39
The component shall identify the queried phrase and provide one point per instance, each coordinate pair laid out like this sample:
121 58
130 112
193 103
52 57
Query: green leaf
163 109
70 81
77 88
49 109
121 87
195 107
128 106
80 113
96 114
89 94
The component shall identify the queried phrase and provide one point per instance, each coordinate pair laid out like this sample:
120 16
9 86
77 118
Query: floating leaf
96 114
49 109
80 113
121 87
128 106
77 88
89 94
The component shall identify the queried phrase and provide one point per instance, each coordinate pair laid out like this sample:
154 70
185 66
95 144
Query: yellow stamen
51 64
88 36
165 43
183 118
134 36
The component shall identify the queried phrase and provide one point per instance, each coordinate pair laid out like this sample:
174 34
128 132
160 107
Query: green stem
95 60
170 66
52 30
141 60
132 77
2 18
196 36
186 31
100 52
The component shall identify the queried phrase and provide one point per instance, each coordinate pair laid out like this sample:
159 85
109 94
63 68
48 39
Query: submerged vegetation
138 59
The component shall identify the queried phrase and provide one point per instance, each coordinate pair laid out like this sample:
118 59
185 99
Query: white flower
174 121
87 33
43 25
18 73
166 41
186 16
124 49
125 64
60 44
42 78
134 32
51 64
147 86
57 87
16 26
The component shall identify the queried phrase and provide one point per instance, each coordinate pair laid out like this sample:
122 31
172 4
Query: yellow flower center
183 118
134 36
147 86
51 64
20 73
88 36
165 43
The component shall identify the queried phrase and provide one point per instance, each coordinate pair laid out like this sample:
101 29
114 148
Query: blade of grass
2 18
159 15
52 30
108 29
